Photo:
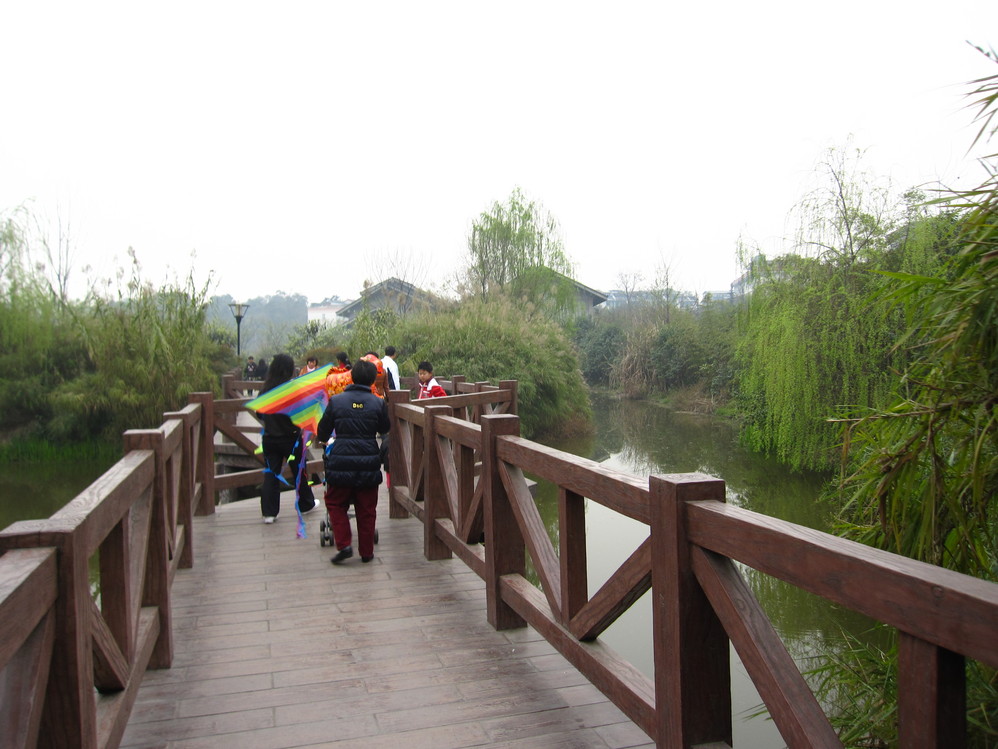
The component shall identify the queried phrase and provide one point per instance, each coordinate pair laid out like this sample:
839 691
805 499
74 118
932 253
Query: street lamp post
238 312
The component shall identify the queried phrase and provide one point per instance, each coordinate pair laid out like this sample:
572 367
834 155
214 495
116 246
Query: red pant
365 501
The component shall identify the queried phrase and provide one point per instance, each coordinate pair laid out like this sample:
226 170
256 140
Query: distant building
401 297
586 297
327 311
616 298
720 296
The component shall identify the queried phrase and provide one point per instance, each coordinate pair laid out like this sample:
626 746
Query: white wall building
327 311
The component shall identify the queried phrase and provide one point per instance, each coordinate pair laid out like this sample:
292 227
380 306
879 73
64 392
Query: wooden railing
71 663
85 594
73 651
467 481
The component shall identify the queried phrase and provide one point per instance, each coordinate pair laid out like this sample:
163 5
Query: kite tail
301 480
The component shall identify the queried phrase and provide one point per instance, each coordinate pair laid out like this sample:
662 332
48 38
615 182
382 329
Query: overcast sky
301 146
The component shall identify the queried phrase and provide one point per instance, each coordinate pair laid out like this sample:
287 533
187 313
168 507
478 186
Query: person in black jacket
353 460
281 439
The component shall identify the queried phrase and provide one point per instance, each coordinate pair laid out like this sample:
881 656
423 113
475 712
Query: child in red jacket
428 386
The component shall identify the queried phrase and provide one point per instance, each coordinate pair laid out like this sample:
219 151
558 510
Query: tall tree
923 479
511 238
813 340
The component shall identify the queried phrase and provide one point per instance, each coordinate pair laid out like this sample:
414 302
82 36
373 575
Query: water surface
643 439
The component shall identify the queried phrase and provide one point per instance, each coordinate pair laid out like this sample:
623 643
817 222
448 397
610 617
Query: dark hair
312 358
282 369
343 358
389 351
375 354
425 366
364 373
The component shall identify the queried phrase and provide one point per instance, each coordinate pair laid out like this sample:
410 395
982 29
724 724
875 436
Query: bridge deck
275 647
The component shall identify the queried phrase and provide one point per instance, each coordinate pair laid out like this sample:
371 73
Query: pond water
36 490
641 439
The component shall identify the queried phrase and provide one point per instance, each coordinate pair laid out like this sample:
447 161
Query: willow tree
920 474
515 247
923 471
813 337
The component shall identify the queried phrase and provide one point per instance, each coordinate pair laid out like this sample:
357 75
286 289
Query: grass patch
44 451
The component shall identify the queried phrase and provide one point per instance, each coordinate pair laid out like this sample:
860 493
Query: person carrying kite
282 439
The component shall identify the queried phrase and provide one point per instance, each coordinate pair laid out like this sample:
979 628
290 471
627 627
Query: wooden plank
955 611
99 507
25 678
114 710
626 585
472 524
622 683
228 406
574 593
276 647
791 704
503 537
111 667
535 535
932 696
27 593
690 648
463 400
618 491
441 485
241 440
472 555
460 431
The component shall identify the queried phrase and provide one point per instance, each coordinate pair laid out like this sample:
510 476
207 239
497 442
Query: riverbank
15 449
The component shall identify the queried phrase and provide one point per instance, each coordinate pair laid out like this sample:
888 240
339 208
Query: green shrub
498 339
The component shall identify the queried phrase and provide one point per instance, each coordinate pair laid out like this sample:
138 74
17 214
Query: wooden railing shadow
462 479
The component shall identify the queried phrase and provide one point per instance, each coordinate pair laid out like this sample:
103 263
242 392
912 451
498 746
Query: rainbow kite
303 399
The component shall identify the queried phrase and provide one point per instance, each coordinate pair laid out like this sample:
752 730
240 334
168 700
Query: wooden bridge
138 615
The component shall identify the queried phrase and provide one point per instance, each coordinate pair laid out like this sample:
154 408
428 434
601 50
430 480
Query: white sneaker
268 520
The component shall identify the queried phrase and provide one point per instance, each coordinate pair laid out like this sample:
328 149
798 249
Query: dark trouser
270 492
365 501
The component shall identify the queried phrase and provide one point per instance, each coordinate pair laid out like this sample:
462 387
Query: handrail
464 480
75 662
28 591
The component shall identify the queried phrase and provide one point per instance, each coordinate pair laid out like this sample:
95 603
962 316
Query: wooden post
187 479
474 413
434 500
398 470
574 591
505 550
205 469
156 587
691 650
456 381
69 714
511 385
932 695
